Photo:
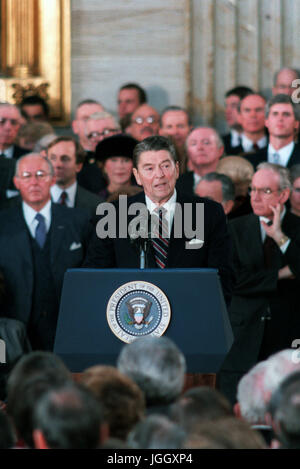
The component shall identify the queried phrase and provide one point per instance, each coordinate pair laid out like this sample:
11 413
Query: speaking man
156 170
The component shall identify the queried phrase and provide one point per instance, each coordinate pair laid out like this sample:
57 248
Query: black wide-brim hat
116 145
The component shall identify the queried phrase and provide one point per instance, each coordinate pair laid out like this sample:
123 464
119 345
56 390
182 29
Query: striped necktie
160 238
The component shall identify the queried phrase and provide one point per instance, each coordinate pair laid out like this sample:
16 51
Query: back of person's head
239 170
157 366
157 432
122 400
227 433
200 404
7 436
250 394
280 365
286 413
28 394
69 417
30 365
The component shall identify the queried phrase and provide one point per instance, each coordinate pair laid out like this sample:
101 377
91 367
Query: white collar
8 152
284 153
56 192
169 206
29 216
247 144
235 138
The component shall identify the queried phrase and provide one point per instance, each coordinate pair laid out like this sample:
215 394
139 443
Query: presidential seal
137 309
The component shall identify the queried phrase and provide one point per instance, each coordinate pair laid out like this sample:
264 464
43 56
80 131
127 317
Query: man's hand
274 230
285 273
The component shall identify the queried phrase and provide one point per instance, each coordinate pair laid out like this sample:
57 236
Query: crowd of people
51 188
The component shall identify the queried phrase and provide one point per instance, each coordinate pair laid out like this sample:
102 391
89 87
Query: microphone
140 239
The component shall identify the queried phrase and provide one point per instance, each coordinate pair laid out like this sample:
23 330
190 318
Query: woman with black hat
115 157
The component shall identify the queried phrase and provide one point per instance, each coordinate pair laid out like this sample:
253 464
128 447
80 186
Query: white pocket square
75 246
194 244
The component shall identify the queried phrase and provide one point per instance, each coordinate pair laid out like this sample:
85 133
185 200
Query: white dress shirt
284 153
56 192
29 215
169 206
247 144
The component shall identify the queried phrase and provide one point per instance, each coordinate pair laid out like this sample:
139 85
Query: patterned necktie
63 198
160 239
40 231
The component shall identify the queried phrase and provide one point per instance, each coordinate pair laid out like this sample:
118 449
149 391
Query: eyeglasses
140 120
262 191
39 175
102 134
14 122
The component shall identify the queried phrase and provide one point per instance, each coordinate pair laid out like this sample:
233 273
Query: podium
199 323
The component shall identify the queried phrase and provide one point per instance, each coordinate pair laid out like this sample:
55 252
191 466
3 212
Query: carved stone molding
35 53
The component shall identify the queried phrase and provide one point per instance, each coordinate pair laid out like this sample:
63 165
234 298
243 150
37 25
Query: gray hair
6 104
228 188
219 139
154 143
282 99
250 394
280 365
102 115
35 155
156 365
281 171
294 172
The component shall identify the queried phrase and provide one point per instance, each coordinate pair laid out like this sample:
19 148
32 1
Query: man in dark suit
156 169
252 120
10 123
90 177
232 140
67 158
39 241
204 149
264 311
282 121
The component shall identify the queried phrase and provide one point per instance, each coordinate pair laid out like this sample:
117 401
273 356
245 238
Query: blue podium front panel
199 322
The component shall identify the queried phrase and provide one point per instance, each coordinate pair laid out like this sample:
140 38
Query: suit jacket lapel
57 233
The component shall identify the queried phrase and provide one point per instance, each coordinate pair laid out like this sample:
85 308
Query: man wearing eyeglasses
144 122
39 241
265 311
98 126
10 123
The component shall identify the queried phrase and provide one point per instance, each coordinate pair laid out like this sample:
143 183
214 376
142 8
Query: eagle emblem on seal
138 312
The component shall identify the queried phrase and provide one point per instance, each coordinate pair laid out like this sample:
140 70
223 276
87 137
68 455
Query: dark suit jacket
185 183
262 156
215 253
257 290
87 200
69 235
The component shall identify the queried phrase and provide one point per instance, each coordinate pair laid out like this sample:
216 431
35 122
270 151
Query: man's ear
16 182
136 175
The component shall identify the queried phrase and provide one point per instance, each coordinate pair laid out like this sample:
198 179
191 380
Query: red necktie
63 198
